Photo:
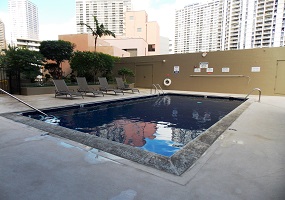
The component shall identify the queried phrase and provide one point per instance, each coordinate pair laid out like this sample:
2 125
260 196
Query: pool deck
246 162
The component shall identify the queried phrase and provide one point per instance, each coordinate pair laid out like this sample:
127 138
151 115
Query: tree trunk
95 42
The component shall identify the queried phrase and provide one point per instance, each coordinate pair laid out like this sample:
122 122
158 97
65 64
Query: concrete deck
246 162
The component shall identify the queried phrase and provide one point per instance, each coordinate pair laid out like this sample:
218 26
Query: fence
4 82
10 83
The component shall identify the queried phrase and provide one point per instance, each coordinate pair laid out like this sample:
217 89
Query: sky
57 17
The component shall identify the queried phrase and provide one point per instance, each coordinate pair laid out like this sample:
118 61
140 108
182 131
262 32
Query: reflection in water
205 117
127 132
162 101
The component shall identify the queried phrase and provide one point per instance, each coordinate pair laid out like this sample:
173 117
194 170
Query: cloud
141 5
51 31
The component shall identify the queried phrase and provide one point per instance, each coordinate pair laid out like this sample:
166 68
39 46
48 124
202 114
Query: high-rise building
23 20
2 36
108 12
197 27
253 24
240 24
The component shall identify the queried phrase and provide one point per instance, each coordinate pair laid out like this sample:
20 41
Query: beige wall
130 43
149 31
139 20
153 37
240 79
114 51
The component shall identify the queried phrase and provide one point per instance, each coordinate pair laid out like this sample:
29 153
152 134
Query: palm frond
88 27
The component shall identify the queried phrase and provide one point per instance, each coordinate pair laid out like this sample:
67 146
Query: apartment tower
198 27
108 12
240 24
2 36
24 20
253 24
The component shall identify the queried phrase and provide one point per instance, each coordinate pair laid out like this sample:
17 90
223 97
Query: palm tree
98 31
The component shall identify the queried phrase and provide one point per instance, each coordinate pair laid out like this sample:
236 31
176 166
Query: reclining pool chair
104 86
62 89
84 88
121 85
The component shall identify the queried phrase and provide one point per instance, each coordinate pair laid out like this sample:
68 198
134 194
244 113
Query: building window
151 47
139 29
131 17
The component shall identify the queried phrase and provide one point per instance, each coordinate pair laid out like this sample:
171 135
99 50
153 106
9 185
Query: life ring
167 82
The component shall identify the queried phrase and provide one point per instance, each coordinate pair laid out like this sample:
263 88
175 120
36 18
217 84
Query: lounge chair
121 85
84 88
62 89
104 86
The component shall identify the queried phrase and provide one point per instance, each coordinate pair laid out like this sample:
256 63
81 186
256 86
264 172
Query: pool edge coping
177 164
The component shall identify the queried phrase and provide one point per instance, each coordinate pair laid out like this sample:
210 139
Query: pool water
160 124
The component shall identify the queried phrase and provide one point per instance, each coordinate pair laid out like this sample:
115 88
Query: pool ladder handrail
158 88
23 102
259 91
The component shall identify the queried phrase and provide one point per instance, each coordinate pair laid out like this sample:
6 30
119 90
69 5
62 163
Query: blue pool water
162 125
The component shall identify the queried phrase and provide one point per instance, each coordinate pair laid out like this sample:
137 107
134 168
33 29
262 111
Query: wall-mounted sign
225 69
197 70
210 70
203 64
176 69
255 69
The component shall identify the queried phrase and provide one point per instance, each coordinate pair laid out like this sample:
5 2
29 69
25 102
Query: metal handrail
157 87
160 88
259 91
23 102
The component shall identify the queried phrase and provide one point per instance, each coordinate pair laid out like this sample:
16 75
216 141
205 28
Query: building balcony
268 36
264 41
266 28
268 19
268 13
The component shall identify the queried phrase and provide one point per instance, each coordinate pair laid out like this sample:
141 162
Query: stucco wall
243 75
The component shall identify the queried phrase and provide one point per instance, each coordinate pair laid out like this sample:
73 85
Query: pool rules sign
176 69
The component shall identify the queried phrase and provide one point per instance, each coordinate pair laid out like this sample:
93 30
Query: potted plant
125 73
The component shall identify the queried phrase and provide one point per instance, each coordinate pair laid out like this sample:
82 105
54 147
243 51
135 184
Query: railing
23 102
259 91
157 88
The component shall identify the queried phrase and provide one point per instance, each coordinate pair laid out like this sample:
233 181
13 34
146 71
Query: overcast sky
57 17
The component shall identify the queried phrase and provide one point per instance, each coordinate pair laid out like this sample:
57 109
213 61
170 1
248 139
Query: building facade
33 45
138 26
108 12
23 20
239 24
253 24
2 36
197 27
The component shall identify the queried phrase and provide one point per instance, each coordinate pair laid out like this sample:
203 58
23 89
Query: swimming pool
163 139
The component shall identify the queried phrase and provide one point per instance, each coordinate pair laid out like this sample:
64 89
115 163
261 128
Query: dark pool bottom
175 164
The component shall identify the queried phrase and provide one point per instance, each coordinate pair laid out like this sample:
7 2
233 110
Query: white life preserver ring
167 82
